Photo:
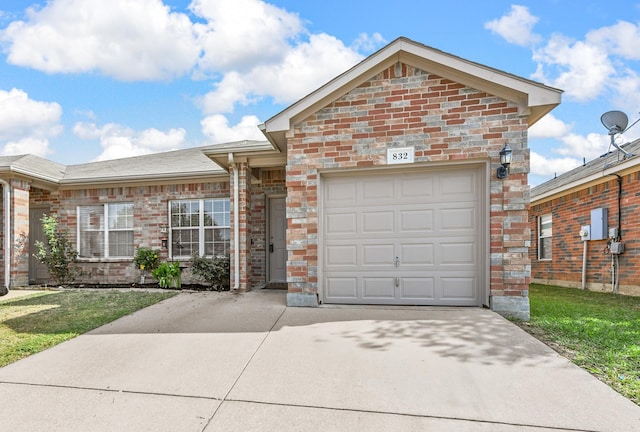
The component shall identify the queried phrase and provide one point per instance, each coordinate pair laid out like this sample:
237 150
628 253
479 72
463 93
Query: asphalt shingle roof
608 160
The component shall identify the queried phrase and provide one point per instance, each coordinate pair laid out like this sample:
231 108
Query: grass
599 332
36 322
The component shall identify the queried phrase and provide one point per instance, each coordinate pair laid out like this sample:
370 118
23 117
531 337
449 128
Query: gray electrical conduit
6 194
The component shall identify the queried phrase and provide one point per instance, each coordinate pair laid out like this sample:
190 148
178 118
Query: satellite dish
615 121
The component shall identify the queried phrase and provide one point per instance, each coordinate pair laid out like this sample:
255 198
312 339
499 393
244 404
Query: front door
38 273
277 241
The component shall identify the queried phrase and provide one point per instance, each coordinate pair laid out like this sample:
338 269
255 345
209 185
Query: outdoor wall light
505 160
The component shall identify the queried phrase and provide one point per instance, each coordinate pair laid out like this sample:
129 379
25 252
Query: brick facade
569 213
445 122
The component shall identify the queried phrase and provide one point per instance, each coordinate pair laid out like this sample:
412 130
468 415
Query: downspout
236 227
6 194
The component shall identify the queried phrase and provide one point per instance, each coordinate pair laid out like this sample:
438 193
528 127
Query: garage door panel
341 223
416 254
341 193
378 254
458 253
458 288
458 183
378 287
345 288
378 222
416 186
342 255
416 220
377 191
422 288
458 219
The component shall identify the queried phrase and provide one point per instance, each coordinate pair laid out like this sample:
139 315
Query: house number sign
401 155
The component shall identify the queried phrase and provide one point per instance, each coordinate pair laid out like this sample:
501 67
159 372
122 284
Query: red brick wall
444 121
572 211
150 214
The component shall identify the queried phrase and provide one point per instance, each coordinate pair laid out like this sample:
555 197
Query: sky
82 81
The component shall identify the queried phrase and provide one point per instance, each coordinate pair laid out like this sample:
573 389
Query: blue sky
90 80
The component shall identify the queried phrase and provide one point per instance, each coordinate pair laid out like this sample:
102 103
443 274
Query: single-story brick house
379 187
579 220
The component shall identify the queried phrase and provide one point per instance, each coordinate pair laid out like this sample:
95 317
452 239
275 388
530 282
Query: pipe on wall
236 226
6 194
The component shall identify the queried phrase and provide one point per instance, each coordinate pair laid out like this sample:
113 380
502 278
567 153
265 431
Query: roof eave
584 182
535 99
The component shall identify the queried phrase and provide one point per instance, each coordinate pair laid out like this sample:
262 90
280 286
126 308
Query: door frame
270 199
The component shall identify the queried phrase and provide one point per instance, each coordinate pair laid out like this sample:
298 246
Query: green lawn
34 323
599 332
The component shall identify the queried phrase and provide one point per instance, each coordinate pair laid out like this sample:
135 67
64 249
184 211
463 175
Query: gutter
236 227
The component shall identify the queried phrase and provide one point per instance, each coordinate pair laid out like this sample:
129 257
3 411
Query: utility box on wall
599 229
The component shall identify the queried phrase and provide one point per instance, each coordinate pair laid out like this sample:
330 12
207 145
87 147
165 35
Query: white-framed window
200 226
545 237
105 231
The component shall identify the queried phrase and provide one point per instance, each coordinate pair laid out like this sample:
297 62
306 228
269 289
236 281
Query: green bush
216 271
146 259
58 254
168 275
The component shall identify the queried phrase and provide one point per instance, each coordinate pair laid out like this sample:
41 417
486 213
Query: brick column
243 223
19 231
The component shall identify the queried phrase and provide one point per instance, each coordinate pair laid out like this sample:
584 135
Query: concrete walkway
228 362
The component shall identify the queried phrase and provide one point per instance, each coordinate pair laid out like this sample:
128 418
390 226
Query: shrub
168 275
216 271
146 259
58 254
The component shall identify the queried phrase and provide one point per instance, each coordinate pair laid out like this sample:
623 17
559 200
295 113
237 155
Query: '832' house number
400 155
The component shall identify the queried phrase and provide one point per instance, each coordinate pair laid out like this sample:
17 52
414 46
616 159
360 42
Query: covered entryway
415 237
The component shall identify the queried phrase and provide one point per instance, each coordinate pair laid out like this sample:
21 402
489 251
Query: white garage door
404 238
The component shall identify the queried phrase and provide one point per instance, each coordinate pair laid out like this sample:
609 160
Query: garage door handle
397 262
397 281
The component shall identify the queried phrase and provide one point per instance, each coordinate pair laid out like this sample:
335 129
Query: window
200 227
545 240
113 239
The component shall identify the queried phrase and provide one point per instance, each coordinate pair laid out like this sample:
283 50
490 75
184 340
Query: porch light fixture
505 160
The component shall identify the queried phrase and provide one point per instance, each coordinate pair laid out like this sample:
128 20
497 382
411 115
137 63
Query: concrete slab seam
103 390
244 368
471 420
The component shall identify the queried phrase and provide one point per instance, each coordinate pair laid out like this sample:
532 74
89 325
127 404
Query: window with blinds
200 226
105 231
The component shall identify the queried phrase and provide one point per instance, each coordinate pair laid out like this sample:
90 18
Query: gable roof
534 99
174 165
593 172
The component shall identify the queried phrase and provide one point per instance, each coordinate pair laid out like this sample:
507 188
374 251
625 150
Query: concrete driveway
245 362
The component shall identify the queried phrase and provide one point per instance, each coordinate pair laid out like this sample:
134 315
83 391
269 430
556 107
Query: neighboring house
379 187
580 219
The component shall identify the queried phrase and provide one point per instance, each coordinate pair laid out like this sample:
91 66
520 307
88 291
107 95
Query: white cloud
217 128
26 124
516 27
240 33
29 145
581 69
118 141
128 40
549 127
305 67
368 43
621 39
578 146
545 167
